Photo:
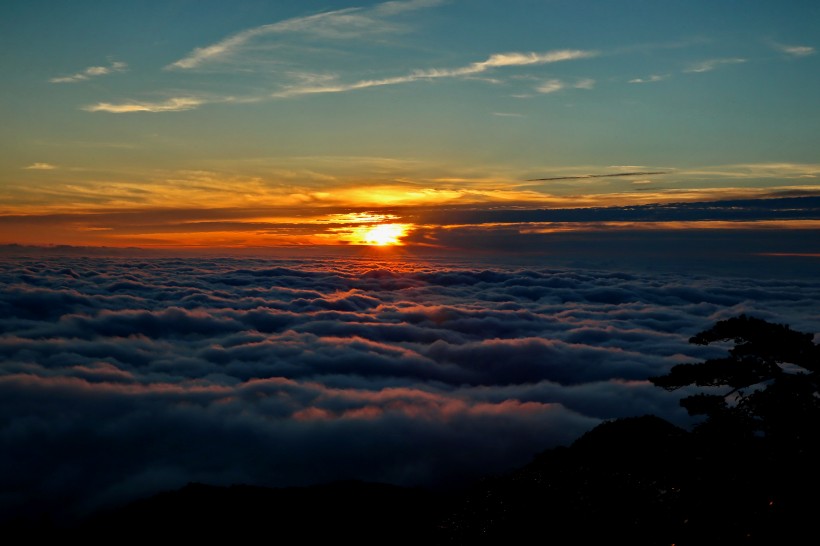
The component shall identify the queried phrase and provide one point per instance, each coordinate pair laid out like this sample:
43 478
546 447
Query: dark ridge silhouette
643 481
621 480
747 475
368 513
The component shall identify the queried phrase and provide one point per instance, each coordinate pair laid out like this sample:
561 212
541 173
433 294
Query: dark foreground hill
639 481
645 481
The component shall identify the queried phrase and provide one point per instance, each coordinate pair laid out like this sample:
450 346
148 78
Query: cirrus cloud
796 50
497 60
39 166
712 64
91 72
175 104
347 23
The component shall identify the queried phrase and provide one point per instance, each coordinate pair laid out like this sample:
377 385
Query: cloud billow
121 377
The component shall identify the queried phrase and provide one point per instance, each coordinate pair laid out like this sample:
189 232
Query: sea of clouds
123 376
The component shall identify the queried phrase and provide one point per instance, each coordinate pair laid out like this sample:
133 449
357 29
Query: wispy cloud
651 79
176 104
41 167
497 60
711 64
320 23
396 7
523 59
338 24
91 72
508 114
342 24
609 175
809 171
551 86
796 50
586 83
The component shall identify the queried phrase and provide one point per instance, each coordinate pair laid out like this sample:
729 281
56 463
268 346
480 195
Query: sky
182 123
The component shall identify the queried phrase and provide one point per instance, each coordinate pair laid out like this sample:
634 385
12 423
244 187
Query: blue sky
365 105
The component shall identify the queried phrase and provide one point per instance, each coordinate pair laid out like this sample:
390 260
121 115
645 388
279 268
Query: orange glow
384 234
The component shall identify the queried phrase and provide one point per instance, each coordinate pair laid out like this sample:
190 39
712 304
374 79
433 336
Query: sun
385 234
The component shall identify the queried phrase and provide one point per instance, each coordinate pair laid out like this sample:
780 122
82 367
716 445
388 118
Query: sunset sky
252 123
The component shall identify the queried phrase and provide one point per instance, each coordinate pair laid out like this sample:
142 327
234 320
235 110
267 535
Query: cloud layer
123 376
